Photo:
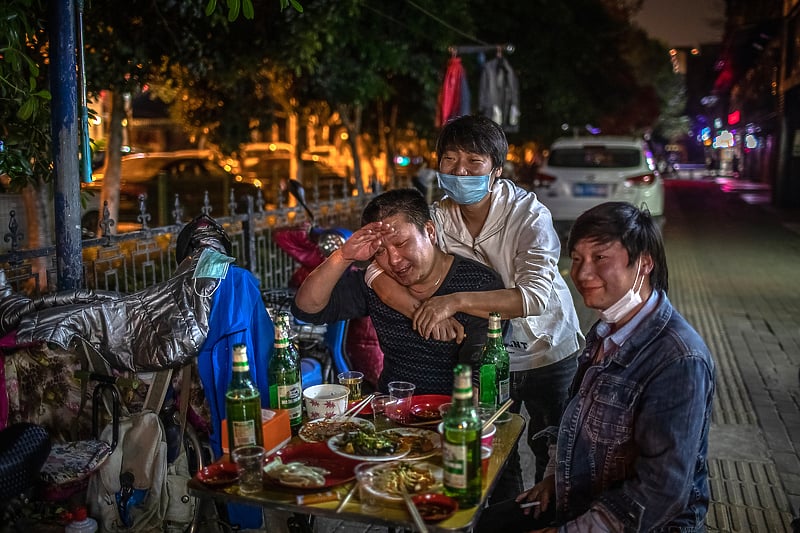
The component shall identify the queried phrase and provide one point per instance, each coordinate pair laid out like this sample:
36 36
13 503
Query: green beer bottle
242 404
284 320
285 390
461 447
494 373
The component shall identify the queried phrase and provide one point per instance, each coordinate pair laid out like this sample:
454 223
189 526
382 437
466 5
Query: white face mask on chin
627 303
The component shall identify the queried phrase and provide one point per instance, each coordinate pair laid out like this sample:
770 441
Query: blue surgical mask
212 264
464 190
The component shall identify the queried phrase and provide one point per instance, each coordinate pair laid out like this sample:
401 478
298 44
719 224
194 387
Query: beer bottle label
505 391
244 433
289 399
488 384
454 460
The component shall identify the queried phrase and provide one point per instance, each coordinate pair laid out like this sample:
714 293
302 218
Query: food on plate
295 474
426 412
368 443
322 430
434 507
416 477
419 443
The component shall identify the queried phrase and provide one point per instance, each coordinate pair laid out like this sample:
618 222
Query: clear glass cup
250 466
352 380
380 403
368 498
401 393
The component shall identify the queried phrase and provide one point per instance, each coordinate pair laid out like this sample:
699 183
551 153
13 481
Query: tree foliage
24 97
225 68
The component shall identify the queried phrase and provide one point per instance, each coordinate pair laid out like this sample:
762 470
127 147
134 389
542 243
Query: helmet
202 232
331 240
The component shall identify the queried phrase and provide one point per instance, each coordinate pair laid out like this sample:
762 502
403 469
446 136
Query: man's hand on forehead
364 242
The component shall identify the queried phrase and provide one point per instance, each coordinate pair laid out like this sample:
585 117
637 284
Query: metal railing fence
129 262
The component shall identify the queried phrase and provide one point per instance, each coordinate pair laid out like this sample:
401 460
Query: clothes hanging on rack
454 94
499 94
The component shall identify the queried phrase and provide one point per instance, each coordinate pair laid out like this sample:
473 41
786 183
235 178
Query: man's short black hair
408 202
634 228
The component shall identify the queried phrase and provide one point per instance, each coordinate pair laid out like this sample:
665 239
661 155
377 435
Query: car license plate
590 190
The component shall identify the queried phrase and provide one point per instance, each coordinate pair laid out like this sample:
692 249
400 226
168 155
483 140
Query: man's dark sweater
406 355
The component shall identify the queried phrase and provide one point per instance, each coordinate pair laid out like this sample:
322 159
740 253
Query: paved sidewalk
733 273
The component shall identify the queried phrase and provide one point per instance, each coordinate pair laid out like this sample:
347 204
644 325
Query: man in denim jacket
630 452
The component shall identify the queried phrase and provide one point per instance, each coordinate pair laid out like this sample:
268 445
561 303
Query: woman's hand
543 492
432 312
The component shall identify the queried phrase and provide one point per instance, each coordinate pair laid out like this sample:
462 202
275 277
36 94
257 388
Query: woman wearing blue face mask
491 220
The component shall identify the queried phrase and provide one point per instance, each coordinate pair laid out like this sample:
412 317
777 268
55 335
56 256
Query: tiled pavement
734 274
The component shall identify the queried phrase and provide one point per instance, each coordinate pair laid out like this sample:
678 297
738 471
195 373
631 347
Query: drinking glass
364 478
352 380
250 464
401 393
380 403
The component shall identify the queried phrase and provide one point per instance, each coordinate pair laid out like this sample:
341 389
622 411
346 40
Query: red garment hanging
449 103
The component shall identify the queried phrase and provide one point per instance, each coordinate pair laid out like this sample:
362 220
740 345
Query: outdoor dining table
393 516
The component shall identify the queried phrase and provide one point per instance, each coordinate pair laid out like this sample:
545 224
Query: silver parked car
582 172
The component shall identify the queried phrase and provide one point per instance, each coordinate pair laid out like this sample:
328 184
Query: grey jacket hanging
499 94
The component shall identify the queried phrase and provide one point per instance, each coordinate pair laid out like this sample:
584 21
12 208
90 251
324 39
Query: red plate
421 405
316 454
219 474
367 410
435 507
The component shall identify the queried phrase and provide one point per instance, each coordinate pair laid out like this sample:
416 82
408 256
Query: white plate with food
384 480
309 466
368 445
423 443
322 429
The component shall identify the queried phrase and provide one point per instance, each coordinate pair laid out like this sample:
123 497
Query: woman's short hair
474 134
636 230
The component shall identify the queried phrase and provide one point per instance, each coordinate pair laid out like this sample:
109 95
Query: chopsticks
357 408
496 415
347 498
413 511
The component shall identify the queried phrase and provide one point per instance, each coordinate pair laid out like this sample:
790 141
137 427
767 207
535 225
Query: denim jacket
632 444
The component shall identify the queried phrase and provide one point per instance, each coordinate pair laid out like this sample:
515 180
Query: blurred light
344 136
705 134
402 160
124 122
724 140
751 141
733 118
97 120
718 123
695 51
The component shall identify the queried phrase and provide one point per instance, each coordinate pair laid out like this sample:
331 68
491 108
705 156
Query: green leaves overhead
246 8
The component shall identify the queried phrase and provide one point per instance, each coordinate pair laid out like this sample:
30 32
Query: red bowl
219 474
435 507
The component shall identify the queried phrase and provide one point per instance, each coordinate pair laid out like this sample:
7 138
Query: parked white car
582 172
